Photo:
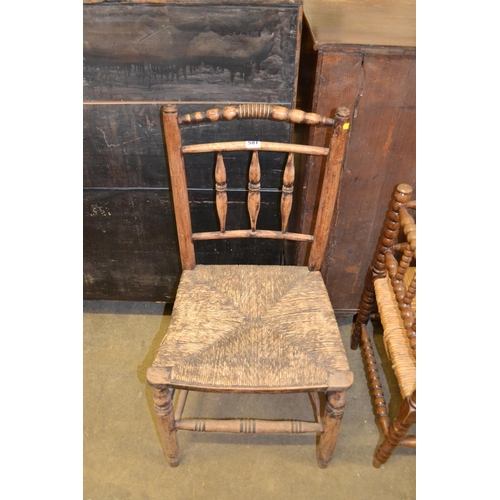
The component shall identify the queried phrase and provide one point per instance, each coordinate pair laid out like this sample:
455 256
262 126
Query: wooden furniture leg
406 418
223 336
334 411
367 307
168 435
375 385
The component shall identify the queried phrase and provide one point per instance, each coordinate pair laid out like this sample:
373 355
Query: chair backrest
396 257
334 154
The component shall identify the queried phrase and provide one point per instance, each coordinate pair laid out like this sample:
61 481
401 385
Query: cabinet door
379 88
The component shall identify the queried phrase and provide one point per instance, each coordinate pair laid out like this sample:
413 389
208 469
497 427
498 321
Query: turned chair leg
332 416
375 384
163 405
367 307
397 431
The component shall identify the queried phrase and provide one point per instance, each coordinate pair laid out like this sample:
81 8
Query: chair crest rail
334 158
252 111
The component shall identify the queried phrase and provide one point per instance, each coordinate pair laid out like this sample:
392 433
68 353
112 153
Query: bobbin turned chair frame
390 288
161 375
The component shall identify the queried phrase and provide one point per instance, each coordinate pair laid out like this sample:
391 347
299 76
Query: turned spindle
221 191
387 240
411 290
409 228
374 381
403 295
287 192
406 418
249 426
254 190
390 231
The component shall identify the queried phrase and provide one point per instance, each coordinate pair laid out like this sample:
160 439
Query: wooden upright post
334 411
179 185
163 405
330 187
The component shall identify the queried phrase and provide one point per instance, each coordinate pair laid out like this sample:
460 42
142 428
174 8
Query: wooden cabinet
138 56
360 55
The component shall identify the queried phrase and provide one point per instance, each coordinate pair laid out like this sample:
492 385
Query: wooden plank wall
137 57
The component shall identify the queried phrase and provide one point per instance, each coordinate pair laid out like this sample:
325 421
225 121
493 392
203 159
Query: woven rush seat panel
396 342
263 327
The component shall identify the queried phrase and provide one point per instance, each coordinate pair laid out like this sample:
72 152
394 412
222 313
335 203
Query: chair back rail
334 153
262 146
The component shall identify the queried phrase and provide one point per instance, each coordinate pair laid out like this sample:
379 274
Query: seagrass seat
390 296
278 317
252 328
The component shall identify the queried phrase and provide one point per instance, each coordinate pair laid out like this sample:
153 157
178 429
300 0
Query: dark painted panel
124 147
185 53
138 57
130 248
130 243
238 251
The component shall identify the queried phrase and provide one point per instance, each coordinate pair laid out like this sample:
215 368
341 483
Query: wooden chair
252 328
391 288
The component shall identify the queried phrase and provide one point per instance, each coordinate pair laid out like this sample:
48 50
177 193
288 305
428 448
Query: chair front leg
332 416
406 418
367 306
163 405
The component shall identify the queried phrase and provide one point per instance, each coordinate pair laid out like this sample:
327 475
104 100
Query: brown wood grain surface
389 23
179 186
379 87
